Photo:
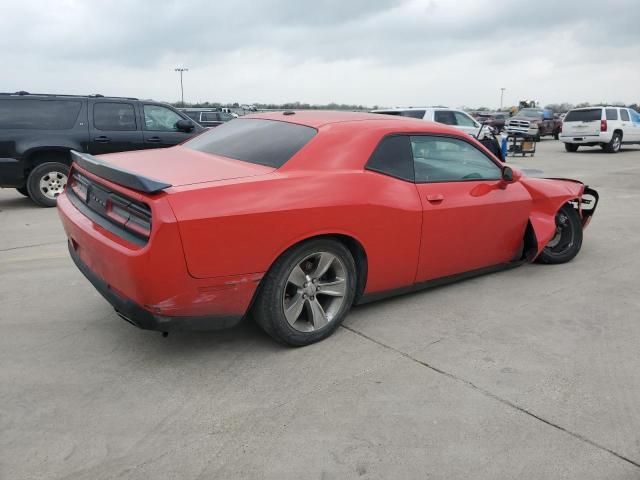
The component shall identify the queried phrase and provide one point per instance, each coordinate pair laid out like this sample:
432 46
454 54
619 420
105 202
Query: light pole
181 70
502 89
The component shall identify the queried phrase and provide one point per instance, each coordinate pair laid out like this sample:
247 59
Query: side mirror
185 125
507 174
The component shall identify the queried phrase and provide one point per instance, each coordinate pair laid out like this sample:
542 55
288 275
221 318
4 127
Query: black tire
571 147
556 135
23 191
269 309
615 144
54 172
566 244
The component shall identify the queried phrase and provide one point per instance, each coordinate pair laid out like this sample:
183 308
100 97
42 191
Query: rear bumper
149 285
11 173
142 318
578 139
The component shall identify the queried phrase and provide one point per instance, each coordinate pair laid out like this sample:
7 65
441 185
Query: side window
464 120
444 116
392 157
446 159
209 117
159 118
612 114
225 117
624 114
114 116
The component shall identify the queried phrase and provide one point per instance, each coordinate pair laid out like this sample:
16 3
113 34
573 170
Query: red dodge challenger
296 216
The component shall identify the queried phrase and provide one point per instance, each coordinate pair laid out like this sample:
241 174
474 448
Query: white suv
609 127
448 116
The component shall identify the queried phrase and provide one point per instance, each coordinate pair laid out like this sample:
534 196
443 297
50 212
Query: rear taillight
603 125
132 216
128 214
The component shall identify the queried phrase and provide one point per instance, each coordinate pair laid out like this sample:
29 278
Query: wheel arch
39 155
541 227
353 244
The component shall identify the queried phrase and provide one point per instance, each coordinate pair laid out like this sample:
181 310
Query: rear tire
556 135
307 293
614 145
46 181
571 147
23 191
566 244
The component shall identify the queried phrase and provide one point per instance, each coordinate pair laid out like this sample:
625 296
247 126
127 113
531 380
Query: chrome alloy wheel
52 184
315 291
616 143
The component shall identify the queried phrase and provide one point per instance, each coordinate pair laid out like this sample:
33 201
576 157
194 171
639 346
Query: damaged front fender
548 196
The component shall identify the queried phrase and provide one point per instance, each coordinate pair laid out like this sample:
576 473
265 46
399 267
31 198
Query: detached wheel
571 147
23 191
46 182
567 241
614 145
307 292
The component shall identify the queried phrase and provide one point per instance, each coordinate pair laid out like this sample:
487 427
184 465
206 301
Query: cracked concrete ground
528 373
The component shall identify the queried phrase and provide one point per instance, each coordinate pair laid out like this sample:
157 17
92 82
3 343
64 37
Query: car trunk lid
177 166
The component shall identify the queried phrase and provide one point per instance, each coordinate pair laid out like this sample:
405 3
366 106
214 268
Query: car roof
387 123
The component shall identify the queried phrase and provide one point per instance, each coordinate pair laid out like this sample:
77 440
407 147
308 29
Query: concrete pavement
528 373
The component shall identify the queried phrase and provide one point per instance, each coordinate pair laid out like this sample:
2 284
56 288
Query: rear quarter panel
243 226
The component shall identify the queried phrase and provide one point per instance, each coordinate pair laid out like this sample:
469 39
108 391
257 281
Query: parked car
609 127
447 116
296 216
536 122
496 120
208 117
37 133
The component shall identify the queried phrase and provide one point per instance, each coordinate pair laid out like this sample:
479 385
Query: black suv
38 131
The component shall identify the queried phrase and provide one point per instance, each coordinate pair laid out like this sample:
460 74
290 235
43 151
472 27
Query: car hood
183 166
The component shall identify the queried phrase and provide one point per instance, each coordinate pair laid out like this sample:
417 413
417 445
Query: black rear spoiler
117 175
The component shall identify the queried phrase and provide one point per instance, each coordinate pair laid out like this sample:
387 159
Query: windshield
530 112
404 113
265 142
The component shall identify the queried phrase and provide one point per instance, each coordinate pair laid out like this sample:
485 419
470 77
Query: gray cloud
410 35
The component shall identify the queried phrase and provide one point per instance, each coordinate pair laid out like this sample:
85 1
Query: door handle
153 139
102 139
435 198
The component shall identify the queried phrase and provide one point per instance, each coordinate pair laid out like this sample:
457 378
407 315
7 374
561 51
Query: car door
160 128
113 127
471 218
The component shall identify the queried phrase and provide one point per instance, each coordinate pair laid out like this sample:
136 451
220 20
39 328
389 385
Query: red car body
221 224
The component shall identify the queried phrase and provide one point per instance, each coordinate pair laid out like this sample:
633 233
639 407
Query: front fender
548 196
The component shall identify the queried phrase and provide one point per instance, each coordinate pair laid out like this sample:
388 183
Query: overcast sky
371 52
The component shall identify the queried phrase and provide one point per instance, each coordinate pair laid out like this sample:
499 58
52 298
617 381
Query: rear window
405 113
265 142
589 115
39 114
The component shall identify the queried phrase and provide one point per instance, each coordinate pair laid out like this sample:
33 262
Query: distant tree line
556 107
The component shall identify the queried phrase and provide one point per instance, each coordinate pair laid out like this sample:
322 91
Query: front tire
614 145
307 293
566 243
571 147
46 182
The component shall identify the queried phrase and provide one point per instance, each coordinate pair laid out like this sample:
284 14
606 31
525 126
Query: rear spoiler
117 175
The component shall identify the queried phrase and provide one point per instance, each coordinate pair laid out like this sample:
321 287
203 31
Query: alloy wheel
315 291
52 184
